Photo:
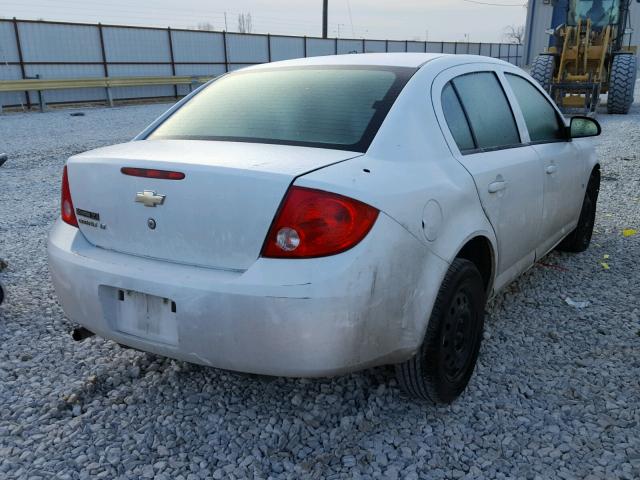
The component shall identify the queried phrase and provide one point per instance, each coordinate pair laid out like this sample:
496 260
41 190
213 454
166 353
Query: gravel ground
555 394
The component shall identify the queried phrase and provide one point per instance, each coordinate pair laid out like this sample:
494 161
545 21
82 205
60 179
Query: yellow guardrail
106 82
41 84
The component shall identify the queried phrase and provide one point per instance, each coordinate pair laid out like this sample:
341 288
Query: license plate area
142 315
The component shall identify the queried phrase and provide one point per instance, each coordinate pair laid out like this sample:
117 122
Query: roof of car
411 60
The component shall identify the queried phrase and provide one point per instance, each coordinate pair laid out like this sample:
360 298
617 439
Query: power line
131 16
496 4
172 13
134 14
350 17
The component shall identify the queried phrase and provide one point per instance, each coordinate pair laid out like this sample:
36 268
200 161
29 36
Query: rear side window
456 119
330 107
541 118
488 110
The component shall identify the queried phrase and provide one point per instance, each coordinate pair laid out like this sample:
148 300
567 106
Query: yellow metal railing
41 85
58 84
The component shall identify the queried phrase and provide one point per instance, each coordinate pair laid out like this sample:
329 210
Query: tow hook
81 333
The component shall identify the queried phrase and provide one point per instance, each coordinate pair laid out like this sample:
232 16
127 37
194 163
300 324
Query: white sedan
318 216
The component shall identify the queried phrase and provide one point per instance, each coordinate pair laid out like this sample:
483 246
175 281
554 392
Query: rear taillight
67 212
313 223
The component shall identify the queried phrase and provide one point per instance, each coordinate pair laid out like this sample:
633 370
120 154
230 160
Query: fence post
304 45
441 47
519 52
425 46
21 59
406 46
386 46
105 67
335 47
455 48
41 99
193 84
480 48
226 58
173 61
269 47
363 46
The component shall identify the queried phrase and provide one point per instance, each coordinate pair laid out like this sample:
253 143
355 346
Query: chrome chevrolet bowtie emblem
149 198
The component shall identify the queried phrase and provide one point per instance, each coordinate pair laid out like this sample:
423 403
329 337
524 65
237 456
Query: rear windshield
330 107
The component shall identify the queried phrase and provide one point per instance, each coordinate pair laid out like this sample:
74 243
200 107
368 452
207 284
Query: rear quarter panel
410 174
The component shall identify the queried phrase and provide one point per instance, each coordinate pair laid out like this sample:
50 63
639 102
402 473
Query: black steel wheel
457 337
441 369
580 238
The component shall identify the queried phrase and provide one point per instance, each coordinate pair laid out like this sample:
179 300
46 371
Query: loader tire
542 70
624 70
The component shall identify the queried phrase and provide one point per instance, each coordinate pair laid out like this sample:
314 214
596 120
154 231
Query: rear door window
542 120
456 119
488 111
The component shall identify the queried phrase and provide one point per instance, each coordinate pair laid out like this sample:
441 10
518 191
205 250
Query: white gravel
556 393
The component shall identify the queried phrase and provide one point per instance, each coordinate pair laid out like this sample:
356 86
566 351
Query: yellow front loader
589 58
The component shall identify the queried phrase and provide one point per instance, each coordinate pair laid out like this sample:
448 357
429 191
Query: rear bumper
314 317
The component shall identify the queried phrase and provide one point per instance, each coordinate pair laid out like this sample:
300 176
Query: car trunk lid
217 216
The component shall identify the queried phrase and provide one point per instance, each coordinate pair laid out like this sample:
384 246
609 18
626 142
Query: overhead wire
125 13
350 18
477 2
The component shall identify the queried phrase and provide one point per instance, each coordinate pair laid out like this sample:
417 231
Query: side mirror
582 127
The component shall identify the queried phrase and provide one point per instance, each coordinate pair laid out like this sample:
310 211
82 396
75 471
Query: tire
580 238
443 365
622 83
542 70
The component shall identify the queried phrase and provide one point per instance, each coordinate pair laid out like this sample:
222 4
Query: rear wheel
579 240
443 365
624 69
542 70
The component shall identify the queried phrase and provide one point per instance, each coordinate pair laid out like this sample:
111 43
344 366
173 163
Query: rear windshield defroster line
337 107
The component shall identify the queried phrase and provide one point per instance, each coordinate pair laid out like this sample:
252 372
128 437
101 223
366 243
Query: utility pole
325 17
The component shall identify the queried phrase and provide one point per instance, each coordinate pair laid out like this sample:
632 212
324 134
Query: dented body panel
312 317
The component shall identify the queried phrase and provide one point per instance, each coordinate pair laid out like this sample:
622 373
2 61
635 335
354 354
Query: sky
437 20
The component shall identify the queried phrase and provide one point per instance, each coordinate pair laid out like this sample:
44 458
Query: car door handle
497 186
551 169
